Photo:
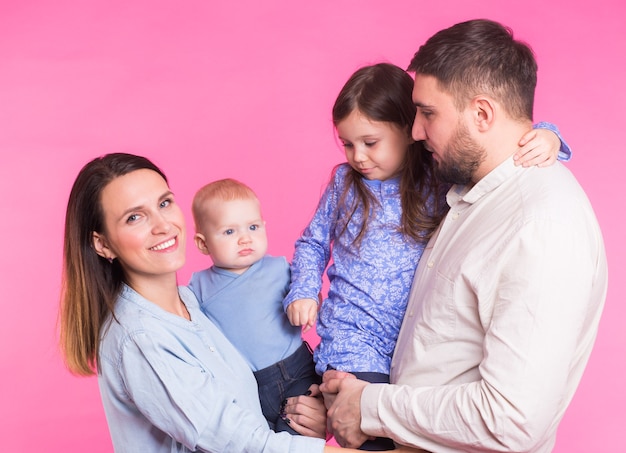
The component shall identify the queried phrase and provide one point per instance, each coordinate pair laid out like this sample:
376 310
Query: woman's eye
132 218
165 203
347 145
370 144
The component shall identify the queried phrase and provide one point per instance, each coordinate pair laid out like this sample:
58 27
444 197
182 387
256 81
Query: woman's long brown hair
90 284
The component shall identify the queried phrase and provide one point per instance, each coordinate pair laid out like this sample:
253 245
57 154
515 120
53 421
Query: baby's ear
200 241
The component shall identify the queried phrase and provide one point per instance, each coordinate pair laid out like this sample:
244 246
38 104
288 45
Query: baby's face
235 234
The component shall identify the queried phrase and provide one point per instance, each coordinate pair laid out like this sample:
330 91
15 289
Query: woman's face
144 228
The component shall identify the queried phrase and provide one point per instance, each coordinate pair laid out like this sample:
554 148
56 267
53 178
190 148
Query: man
507 297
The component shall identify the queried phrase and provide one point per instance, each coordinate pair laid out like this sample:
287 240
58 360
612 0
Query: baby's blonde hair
225 190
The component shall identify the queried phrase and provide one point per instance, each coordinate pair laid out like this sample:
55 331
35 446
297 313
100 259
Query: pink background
213 89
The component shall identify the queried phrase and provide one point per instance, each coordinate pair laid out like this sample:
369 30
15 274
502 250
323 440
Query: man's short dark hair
481 57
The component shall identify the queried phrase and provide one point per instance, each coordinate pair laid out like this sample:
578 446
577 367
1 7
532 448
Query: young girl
373 222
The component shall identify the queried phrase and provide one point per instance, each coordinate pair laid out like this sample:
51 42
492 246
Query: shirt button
455 216
211 348
430 264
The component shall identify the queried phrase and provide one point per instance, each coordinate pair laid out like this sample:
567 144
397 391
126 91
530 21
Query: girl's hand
302 312
538 147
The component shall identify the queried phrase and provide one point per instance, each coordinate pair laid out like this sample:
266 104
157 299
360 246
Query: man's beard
463 157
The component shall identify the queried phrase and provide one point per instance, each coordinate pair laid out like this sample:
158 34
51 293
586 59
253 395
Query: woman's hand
306 413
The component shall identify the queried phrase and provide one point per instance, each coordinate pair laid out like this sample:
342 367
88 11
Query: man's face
444 131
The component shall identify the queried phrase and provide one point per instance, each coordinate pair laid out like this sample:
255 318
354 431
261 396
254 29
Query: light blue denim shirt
172 385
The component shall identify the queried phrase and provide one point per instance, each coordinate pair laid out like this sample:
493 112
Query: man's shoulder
555 183
552 193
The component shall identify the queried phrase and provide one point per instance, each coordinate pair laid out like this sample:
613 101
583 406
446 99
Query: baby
243 294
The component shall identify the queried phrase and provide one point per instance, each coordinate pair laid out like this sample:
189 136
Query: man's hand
342 396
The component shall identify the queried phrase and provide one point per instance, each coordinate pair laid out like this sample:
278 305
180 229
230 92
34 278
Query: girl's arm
542 147
313 248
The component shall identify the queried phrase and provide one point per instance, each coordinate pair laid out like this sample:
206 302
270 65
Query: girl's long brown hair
382 93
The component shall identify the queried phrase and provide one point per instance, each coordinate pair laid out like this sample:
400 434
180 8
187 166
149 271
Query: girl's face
374 149
144 228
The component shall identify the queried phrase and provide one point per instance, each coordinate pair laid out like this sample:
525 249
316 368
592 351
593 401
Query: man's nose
418 133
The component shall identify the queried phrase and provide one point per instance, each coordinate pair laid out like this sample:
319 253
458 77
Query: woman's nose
160 224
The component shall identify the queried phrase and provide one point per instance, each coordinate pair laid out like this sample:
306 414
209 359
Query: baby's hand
539 147
302 312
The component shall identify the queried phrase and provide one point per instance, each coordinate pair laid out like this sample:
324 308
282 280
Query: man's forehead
425 90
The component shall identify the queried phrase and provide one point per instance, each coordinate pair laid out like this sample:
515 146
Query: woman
170 381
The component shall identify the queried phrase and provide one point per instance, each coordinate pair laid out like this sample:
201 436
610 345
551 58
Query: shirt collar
470 194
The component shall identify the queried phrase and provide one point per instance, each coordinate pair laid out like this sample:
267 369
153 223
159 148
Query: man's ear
200 241
100 245
483 112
